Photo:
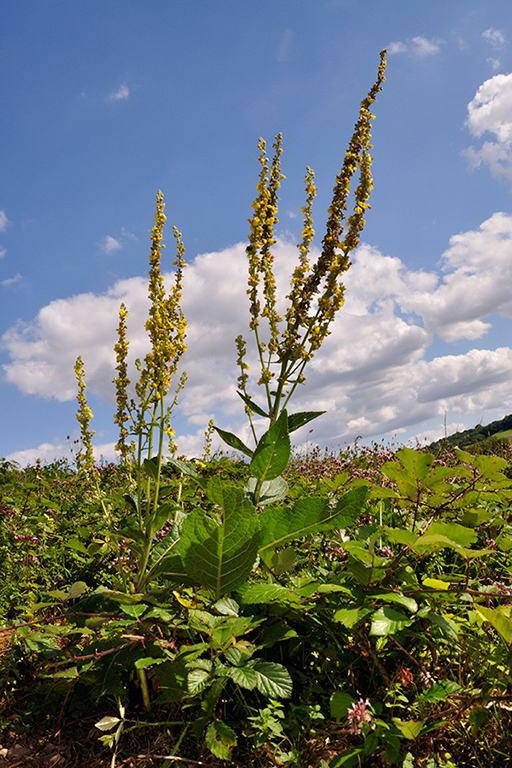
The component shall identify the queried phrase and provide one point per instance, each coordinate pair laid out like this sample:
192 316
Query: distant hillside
476 435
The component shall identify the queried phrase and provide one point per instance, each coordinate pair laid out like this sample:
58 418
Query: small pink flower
358 715
385 552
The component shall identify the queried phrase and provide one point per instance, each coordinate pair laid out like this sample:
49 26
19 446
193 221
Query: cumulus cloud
495 37
43 351
416 46
4 221
48 452
11 280
3 251
109 245
122 93
373 374
490 112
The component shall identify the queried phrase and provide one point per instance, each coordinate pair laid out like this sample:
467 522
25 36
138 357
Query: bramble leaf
410 729
499 618
273 679
220 739
340 703
440 691
386 621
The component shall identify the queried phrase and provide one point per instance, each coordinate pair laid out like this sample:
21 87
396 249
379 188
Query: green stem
262 364
160 451
143 680
139 479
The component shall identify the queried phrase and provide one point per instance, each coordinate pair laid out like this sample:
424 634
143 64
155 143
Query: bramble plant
373 586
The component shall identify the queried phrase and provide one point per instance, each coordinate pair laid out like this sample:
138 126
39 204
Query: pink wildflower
358 715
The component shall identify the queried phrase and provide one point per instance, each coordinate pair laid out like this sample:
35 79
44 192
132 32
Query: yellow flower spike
122 382
85 457
316 291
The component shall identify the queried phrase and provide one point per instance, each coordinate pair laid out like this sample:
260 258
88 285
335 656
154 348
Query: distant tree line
476 436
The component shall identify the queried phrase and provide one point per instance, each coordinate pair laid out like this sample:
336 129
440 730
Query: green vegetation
321 610
374 629
491 434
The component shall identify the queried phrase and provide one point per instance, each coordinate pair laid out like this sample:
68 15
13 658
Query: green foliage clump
349 610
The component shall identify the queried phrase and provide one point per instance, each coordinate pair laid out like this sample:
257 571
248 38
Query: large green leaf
220 553
410 729
396 597
447 626
183 467
415 463
273 451
157 519
309 515
233 441
459 534
269 593
271 491
387 621
254 407
165 558
499 618
273 679
297 420
400 536
440 691
244 676
340 703
351 617
198 680
151 467
220 740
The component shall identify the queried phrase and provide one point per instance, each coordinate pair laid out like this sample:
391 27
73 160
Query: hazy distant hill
477 435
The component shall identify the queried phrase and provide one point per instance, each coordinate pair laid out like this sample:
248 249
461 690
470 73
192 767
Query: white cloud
372 374
423 47
43 352
428 436
495 64
4 221
109 245
126 233
416 46
122 93
3 251
48 452
491 112
11 280
495 37
398 47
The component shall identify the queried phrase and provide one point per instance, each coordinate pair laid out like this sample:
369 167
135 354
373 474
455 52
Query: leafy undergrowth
363 616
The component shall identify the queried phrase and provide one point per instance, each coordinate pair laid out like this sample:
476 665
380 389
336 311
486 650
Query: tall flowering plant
213 546
149 415
147 418
286 344
85 456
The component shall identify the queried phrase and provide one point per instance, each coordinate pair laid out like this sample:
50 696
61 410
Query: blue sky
106 102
